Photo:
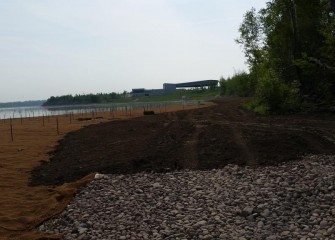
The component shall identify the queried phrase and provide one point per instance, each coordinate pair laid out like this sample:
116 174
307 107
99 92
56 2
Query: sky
57 47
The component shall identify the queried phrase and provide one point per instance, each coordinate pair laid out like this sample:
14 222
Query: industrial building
172 87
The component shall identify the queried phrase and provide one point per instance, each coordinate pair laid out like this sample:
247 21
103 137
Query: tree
124 94
293 40
251 38
332 2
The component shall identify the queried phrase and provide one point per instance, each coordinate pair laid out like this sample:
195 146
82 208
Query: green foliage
292 101
290 49
270 91
273 95
251 37
83 99
213 86
22 104
241 84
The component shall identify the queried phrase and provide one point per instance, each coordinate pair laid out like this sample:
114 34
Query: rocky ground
295 200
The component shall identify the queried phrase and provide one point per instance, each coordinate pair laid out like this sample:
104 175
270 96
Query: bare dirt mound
202 138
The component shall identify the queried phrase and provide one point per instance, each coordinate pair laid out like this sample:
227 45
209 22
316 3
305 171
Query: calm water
25 112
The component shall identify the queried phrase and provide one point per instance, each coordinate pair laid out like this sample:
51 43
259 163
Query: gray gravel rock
292 201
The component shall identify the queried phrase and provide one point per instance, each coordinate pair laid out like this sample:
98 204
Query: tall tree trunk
296 46
294 22
332 2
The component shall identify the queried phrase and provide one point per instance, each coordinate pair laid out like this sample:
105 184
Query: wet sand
22 207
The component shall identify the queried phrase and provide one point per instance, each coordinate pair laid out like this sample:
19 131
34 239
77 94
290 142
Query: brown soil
197 139
24 207
202 138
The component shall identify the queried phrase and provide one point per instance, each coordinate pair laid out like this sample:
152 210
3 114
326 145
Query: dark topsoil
202 138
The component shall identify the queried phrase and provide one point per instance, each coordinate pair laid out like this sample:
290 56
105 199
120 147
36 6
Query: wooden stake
11 130
57 126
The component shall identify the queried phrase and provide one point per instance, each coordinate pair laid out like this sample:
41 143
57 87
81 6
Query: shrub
241 84
273 95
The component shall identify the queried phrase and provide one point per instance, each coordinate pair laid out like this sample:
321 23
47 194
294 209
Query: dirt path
196 139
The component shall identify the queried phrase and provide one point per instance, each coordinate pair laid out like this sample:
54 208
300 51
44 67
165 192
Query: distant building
140 92
172 87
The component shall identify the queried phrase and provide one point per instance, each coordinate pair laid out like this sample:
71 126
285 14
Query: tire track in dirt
190 151
242 145
202 138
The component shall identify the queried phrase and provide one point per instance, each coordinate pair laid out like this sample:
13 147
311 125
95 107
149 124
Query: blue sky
56 47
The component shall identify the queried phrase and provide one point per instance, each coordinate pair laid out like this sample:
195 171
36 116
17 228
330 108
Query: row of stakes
31 114
71 117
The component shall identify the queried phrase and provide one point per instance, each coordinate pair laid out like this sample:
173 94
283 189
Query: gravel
295 200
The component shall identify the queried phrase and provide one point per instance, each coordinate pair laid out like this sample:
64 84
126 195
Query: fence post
57 126
11 130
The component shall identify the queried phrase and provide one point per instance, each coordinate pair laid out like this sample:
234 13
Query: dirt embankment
202 138
23 207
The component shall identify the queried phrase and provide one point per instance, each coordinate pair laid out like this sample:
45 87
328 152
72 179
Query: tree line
289 47
31 103
84 99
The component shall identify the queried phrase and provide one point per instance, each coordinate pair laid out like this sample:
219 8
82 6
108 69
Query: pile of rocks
295 200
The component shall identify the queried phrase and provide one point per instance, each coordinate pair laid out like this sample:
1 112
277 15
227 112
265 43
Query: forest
22 104
289 47
81 99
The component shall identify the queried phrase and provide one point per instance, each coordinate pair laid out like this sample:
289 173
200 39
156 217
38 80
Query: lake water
25 112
